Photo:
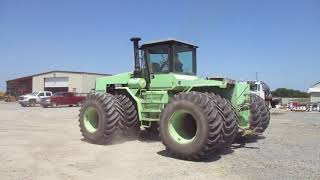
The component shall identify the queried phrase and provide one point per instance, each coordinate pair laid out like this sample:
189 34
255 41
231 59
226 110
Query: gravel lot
38 143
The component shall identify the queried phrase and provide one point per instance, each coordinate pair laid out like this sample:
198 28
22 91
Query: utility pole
257 73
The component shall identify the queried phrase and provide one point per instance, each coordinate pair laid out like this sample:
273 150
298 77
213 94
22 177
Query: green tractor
194 116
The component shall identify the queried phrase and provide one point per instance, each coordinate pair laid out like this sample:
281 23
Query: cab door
40 96
159 66
67 98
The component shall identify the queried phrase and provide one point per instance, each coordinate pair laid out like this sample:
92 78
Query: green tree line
289 93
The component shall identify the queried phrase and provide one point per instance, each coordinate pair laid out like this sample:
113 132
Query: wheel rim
182 127
91 119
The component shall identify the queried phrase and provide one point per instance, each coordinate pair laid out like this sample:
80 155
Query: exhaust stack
137 68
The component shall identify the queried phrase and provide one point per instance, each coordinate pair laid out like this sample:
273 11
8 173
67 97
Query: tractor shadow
118 139
241 142
143 136
278 113
207 159
149 137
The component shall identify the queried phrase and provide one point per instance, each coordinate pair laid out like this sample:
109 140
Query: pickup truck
33 98
62 98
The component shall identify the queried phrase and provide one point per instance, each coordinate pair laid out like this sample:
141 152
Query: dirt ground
38 143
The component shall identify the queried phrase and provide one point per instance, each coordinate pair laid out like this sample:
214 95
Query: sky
278 39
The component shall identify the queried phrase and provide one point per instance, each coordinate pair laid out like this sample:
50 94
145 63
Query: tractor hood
122 78
179 81
170 81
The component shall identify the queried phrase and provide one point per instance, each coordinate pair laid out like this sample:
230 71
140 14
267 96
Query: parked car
62 98
312 106
33 98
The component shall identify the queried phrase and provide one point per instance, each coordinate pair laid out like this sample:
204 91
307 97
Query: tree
289 93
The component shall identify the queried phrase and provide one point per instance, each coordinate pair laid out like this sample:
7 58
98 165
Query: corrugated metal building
314 92
55 81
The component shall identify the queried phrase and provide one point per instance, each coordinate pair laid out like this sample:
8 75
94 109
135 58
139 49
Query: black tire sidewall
202 127
262 111
98 134
130 126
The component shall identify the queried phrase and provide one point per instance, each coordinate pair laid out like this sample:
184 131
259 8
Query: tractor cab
170 56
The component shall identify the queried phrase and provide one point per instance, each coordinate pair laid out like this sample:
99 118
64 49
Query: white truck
33 98
261 89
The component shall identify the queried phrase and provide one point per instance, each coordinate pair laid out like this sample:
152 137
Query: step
151 111
152 102
149 119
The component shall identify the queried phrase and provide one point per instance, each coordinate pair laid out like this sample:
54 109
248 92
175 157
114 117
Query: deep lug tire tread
259 114
111 112
213 115
265 115
130 125
230 120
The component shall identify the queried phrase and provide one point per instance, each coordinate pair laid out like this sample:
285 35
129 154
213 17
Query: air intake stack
137 68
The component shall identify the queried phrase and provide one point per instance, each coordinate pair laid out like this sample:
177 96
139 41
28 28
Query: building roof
57 71
314 88
167 41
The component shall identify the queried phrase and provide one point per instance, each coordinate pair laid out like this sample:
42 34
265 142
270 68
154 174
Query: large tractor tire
265 117
259 114
230 120
191 126
99 119
130 125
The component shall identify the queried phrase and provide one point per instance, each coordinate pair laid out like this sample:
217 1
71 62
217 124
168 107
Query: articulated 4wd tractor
194 116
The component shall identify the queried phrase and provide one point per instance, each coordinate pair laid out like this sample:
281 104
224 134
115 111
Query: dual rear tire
130 125
259 114
103 117
194 125
99 118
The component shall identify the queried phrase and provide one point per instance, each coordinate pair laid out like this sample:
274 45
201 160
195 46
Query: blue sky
279 39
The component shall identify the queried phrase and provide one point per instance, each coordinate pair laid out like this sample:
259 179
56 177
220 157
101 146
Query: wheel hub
182 127
91 119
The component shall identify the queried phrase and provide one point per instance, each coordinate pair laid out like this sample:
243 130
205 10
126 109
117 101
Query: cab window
158 59
183 60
